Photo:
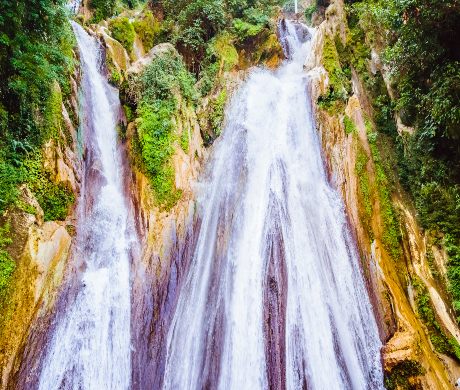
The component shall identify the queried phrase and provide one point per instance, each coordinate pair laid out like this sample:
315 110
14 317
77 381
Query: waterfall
73 6
274 297
90 346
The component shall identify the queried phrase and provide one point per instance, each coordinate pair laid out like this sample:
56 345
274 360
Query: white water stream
90 347
274 297
274 259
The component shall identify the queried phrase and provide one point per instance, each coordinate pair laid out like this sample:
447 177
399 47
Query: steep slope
397 255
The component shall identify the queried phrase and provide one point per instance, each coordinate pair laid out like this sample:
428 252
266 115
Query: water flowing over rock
88 345
274 297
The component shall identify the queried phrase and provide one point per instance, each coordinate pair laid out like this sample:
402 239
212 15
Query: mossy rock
222 47
148 29
123 31
268 50
404 376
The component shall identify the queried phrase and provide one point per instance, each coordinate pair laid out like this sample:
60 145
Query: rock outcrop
39 248
404 334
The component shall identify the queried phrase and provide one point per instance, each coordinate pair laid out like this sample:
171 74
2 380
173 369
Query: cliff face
397 275
39 248
393 272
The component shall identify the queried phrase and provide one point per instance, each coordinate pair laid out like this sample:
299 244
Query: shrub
399 376
208 78
217 112
222 48
156 91
36 60
54 198
440 341
364 187
391 235
245 30
123 31
309 11
102 9
148 29
155 132
165 76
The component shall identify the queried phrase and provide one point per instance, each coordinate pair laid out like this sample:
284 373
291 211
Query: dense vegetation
418 43
209 36
36 59
156 93
440 341
399 378
123 31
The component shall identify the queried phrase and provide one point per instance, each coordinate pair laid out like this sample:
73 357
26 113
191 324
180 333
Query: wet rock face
402 346
300 31
40 250
401 329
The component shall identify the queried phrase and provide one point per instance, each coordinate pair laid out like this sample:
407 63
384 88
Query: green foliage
245 30
364 187
333 101
54 199
208 77
354 53
399 376
453 271
337 78
128 113
53 114
217 112
438 206
155 132
184 141
349 125
339 84
440 341
253 21
156 92
148 28
36 60
391 235
418 39
10 178
35 51
123 31
222 48
309 11
102 9
199 21
165 76
115 78
7 264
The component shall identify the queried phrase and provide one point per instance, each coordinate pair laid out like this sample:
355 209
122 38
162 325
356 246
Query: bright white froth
90 347
267 172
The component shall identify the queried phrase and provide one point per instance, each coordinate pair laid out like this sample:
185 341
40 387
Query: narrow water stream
274 297
91 347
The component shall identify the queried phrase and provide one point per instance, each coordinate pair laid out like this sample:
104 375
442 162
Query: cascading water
274 297
74 6
90 347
